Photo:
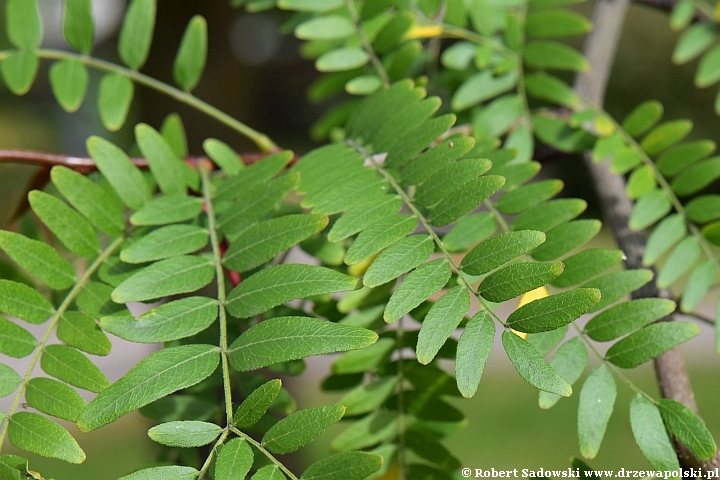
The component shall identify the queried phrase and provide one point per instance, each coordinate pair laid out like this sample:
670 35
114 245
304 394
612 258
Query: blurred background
256 74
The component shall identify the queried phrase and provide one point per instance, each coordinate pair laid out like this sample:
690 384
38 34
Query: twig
600 48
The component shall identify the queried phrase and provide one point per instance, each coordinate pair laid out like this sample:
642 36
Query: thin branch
698 316
600 48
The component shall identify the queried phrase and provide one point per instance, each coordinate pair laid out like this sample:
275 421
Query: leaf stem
67 301
220 276
367 45
402 457
208 460
264 451
263 142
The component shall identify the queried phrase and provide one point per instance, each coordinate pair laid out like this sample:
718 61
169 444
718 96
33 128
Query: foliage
422 219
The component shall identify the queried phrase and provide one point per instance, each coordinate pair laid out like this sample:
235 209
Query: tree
416 212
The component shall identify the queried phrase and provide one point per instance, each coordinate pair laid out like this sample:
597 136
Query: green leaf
532 367
398 259
665 136
68 225
136 33
552 89
69 81
234 460
641 181
597 399
554 56
23 24
464 199
643 117
555 311
587 264
363 85
676 158
126 179
309 5
458 55
518 278
256 404
650 434
545 342
380 235
447 180
556 23
164 278
364 215
443 318
69 365
23 302
370 430
165 165
646 344
570 360
367 358
276 285
342 59
711 232
253 203
168 209
681 260
9 380
268 472
529 195
367 398
615 286
433 160
165 242
626 317
95 203
557 133
36 434
190 59
708 71
113 272
650 208
666 234
115 95
480 87
697 176
498 250
54 398
548 215
700 281
416 288
688 428
496 117
468 231
473 350
326 27
693 42
15 341
704 208
163 473
566 237
426 446
19 70
281 339
40 260
79 330
301 428
254 175
157 375
344 466
224 156
188 433
682 14
78 27
262 241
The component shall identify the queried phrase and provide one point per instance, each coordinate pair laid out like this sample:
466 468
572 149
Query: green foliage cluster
421 218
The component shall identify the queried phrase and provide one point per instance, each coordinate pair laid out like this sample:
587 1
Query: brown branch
600 48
